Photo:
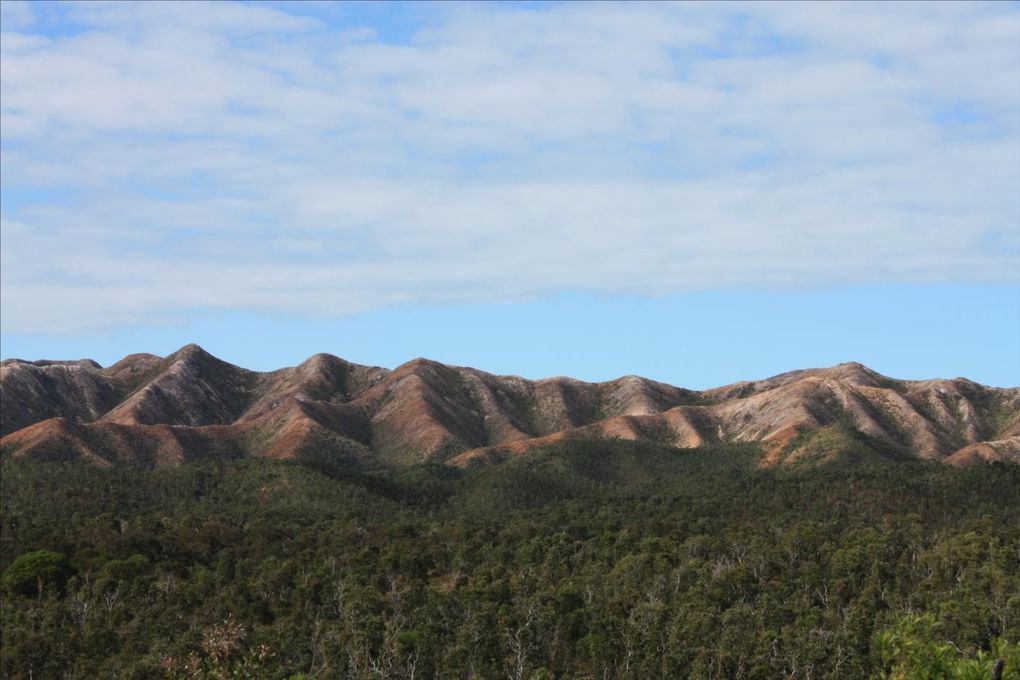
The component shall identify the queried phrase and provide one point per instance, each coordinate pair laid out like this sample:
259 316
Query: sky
697 193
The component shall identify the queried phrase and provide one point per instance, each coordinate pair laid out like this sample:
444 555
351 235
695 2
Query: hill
158 411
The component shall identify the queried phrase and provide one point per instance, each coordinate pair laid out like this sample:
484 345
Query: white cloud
214 155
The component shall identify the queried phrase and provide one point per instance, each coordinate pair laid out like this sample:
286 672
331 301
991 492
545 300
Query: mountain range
158 411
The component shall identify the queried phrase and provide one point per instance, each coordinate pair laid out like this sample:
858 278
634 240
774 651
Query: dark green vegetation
911 650
599 560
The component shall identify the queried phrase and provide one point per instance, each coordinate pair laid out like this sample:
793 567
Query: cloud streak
160 158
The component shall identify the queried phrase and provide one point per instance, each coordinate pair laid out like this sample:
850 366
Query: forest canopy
585 560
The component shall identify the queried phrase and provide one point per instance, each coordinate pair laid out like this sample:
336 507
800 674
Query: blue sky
697 193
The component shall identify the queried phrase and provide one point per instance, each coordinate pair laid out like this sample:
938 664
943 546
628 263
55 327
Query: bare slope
157 411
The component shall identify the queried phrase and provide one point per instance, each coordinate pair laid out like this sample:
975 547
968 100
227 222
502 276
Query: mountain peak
855 373
418 362
190 351
318 363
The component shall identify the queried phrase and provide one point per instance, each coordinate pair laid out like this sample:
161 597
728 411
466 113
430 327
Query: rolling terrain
161 411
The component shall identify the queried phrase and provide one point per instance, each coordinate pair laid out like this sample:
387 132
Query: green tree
34 571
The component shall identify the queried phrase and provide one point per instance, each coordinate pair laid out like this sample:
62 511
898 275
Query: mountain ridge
152 410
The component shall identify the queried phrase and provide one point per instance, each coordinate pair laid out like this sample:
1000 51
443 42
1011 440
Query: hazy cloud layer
159 158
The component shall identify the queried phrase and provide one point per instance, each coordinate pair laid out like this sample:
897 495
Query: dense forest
602 559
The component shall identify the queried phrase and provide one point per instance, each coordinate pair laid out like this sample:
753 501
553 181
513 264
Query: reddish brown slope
191 405
156 410
425 410
34 391
190 387
930 419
